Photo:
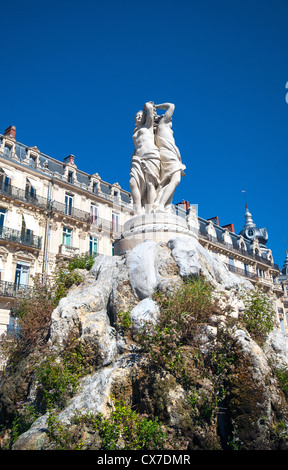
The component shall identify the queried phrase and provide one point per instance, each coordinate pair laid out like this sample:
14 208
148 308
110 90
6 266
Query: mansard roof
55 168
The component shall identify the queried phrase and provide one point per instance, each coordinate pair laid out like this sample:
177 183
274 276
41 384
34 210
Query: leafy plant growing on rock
282 376
32 314
258 317
182 314
125 429
58 375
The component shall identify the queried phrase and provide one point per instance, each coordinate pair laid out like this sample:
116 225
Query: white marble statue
156 166
145 163
172 167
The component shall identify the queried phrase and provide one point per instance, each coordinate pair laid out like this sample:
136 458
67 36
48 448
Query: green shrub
181 315
124 320
282 376
258 317
81 262
58 375
33 315
63 280
125 429
25 415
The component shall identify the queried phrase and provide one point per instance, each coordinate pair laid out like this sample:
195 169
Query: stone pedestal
154 226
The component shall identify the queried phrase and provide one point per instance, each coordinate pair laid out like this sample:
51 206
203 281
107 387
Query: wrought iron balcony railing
70 211
22 195
10 289
23 238
42 202
240 251
241 272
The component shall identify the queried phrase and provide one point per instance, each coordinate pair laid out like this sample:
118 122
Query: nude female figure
145 163
172 167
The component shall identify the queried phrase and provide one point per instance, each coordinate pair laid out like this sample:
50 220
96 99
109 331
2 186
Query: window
12 328
1 267
95 188
5 183
287 291
67 236
2 217
32 161
231 264
7 150
93 214
68 204
246 268
70 176
28 227
22 275
115 222
30 191
93 244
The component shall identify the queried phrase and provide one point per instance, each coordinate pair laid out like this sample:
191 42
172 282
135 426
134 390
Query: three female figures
156 166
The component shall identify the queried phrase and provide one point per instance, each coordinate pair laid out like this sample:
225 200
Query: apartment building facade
49 211
283 279
246 255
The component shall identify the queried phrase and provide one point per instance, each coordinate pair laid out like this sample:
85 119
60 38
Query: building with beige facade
246 255
51 210
283 278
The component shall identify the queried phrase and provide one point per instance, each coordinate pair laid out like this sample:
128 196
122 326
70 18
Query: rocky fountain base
158 227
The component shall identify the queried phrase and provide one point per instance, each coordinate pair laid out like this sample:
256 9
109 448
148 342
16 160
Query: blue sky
75 73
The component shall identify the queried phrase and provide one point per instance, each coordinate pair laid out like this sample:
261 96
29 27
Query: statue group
156 166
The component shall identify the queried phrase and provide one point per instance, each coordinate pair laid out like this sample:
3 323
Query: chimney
69 159
215 220
10 131
230 227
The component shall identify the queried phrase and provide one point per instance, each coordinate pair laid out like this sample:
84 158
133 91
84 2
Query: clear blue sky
74 73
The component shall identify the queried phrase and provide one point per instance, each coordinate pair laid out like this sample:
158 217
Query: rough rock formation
255 404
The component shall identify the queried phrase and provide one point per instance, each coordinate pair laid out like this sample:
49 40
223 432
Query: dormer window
70 177
7 150
95 187
32 161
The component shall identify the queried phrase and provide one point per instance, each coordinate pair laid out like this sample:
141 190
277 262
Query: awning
9 173
36 184
31 223
1 265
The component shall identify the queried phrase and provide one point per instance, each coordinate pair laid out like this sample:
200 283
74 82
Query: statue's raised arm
169 107
148 109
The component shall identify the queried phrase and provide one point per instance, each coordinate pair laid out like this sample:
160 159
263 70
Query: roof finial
284 242
244 192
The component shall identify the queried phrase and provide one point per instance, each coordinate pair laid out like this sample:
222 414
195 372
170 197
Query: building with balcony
51 210
283 278
244 254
